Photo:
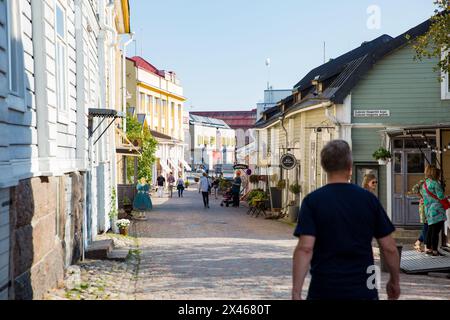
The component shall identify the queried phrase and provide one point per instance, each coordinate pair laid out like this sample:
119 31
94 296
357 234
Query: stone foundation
46 233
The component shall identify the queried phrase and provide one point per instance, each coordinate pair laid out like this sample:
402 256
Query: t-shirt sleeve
306 225
383 225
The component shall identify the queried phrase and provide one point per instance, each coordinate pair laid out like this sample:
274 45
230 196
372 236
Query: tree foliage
436 41
148 144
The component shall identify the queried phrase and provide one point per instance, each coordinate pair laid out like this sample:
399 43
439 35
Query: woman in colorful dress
142 202
422 240
432 193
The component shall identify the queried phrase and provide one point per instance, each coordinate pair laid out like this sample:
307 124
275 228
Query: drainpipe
331 116
286 189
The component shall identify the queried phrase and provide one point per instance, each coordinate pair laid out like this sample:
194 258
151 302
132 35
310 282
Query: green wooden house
401 104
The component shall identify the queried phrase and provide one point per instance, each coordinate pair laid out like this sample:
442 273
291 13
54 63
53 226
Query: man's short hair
336 156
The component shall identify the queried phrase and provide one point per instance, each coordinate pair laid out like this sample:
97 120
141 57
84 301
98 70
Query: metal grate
416 262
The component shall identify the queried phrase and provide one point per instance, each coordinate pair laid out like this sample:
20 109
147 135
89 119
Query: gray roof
210 122
340 75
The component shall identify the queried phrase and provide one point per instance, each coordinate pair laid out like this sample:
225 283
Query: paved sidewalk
189 252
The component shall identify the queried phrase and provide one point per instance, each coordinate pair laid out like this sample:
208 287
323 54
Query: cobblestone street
188 252
219 253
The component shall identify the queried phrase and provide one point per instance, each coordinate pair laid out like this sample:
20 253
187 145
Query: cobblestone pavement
102 279
189 252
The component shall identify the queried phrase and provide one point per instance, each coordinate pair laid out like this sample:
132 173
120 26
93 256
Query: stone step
404 233
99 250
118 255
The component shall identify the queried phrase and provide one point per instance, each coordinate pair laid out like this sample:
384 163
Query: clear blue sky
218 48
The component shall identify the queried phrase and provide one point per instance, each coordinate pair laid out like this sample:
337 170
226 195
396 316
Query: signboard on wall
288 161
371 113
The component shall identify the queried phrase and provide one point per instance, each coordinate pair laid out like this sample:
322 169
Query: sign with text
288 161
371 113
240 167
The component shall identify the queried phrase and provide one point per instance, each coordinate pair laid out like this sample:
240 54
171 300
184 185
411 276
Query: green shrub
295 188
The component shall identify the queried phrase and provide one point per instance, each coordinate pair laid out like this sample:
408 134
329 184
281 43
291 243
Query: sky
218 49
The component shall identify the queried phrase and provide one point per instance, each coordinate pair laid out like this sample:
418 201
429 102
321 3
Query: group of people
432 210
161 183
207 185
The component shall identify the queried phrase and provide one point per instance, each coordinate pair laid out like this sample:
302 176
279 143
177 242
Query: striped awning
185 165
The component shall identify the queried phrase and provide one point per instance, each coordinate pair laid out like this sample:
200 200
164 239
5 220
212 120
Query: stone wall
39 224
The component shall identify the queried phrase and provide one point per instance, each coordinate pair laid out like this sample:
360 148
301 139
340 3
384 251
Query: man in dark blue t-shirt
337 224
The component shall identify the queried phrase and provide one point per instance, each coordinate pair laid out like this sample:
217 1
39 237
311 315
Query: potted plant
382 155
281 184
196 179
123 225
186 184
127 205
294 207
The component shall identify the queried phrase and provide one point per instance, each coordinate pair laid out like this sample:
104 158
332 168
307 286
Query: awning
185 165
165 167
128 149
415 129
173 164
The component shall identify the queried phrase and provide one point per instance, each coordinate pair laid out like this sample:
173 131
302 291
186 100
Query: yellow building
156 97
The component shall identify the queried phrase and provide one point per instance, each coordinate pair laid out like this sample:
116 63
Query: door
4 243
408 170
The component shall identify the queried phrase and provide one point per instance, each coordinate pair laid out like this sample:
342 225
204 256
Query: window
16 71
157 107
61 57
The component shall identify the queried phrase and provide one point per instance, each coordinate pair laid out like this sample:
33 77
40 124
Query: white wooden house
56 62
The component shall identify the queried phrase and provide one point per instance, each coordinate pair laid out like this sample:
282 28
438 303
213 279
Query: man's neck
338 178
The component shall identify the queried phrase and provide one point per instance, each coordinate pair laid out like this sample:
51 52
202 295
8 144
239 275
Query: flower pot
123 231
382 162
293 214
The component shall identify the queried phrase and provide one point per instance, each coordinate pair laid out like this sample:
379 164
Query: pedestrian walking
180 185
370 183
171 181
160 181
215 186
236 189
142 202
204 187
336 226
436 204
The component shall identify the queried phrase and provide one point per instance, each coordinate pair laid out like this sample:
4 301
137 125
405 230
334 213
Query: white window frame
445 84
63 111
15 99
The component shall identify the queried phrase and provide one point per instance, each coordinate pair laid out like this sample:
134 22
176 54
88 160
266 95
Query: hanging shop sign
240 167
288 161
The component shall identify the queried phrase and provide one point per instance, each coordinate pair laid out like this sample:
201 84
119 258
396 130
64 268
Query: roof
206 121
143 64
336 66
339 76
235 119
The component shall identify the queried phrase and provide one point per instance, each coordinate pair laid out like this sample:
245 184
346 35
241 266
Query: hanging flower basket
382 156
